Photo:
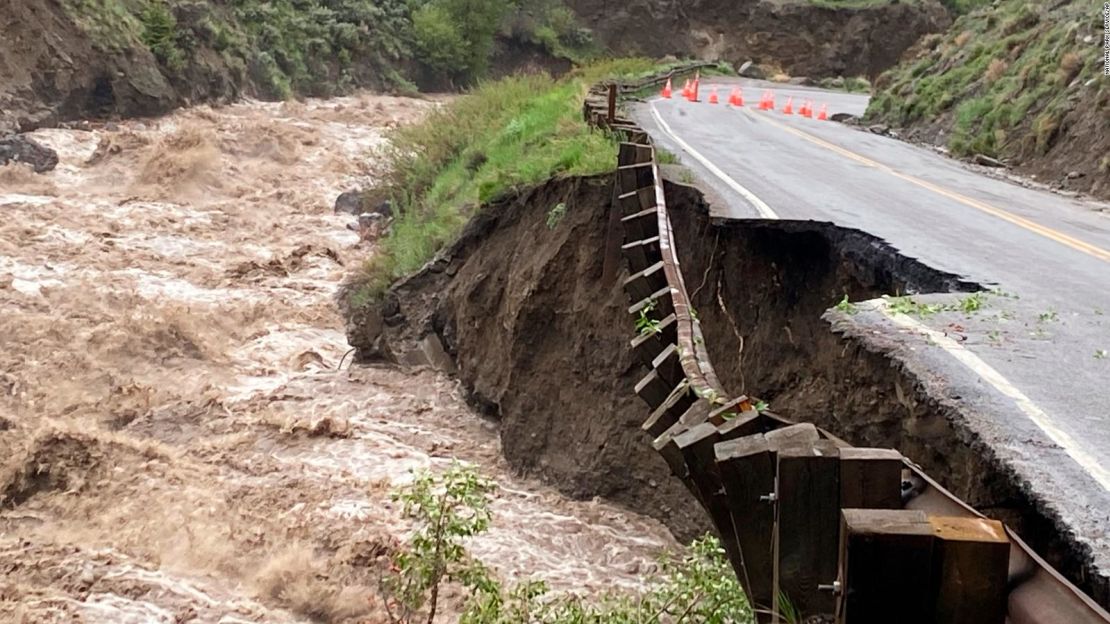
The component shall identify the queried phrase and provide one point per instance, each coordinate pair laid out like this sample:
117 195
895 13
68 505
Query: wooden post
807 527
970 570
696 445
747 468
802 434
870 478
612 102
885 567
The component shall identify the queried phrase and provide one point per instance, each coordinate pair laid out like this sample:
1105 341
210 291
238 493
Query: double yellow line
1036 228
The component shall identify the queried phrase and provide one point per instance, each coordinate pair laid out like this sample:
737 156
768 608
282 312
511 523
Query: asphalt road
1031 367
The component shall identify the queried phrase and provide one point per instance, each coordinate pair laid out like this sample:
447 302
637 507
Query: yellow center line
1032 226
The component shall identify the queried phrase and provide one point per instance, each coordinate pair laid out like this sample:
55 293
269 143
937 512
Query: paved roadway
1031 369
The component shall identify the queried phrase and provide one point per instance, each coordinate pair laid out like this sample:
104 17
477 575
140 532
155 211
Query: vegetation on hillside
318 47
955 6
509 133
448 508
1003 80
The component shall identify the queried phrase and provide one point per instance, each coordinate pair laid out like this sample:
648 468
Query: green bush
160 35
698 586
438 38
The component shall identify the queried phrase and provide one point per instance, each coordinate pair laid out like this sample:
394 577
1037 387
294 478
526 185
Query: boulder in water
21 148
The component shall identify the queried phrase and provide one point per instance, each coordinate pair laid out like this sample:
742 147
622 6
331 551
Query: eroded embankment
535 329
763 291
539 334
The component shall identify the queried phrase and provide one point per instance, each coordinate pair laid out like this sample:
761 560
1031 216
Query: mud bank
521 307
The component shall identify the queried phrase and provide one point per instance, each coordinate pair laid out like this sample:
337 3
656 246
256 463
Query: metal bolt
834 587
769 498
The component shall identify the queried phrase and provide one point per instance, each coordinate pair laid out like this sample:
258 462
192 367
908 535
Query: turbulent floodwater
176 442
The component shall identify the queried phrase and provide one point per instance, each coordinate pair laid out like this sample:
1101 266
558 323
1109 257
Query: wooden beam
807 528
870 478
885 567
747 469
970 570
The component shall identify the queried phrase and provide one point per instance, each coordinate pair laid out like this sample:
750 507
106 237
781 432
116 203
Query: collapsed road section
540 341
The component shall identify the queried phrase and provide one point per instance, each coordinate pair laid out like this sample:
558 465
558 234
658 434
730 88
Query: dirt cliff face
800 38
540 341
540 338
51 70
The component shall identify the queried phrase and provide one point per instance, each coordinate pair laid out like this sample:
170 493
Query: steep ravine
539 337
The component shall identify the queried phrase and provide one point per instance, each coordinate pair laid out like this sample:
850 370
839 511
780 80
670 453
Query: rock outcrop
800 38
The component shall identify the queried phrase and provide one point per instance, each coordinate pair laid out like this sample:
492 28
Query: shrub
160 34
698 586
438 38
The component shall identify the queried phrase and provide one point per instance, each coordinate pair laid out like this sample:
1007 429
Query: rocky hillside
67 59
1018 81
802 38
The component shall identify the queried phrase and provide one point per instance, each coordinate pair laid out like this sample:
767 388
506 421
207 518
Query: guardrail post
612 102
747 468
970 570
807 526
886 559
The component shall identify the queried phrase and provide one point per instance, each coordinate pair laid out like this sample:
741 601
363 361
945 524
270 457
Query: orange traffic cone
824 114
713 99
768 100
806 110
737 97
686 89
789 108
667 90
694 89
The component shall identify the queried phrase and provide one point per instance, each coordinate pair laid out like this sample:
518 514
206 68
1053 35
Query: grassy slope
310 47
1019 80
512 132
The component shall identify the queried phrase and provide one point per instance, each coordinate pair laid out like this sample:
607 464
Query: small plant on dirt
762 406
972 303
447 509
645 324
665 157
787 611
845 306
687 177
555 215
995 336
909 307
1048 317
1102 354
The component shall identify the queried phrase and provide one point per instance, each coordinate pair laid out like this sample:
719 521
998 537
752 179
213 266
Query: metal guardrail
801 513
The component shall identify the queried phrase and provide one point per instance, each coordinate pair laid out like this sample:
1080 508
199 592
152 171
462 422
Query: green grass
503 135
110 24
1001 80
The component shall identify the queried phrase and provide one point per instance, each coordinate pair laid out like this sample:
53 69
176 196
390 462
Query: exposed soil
540 339
178 442
536 334
798 37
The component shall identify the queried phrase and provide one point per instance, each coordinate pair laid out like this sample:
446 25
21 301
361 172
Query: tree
456 36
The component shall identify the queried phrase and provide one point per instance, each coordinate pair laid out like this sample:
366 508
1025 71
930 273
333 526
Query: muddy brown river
177 443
